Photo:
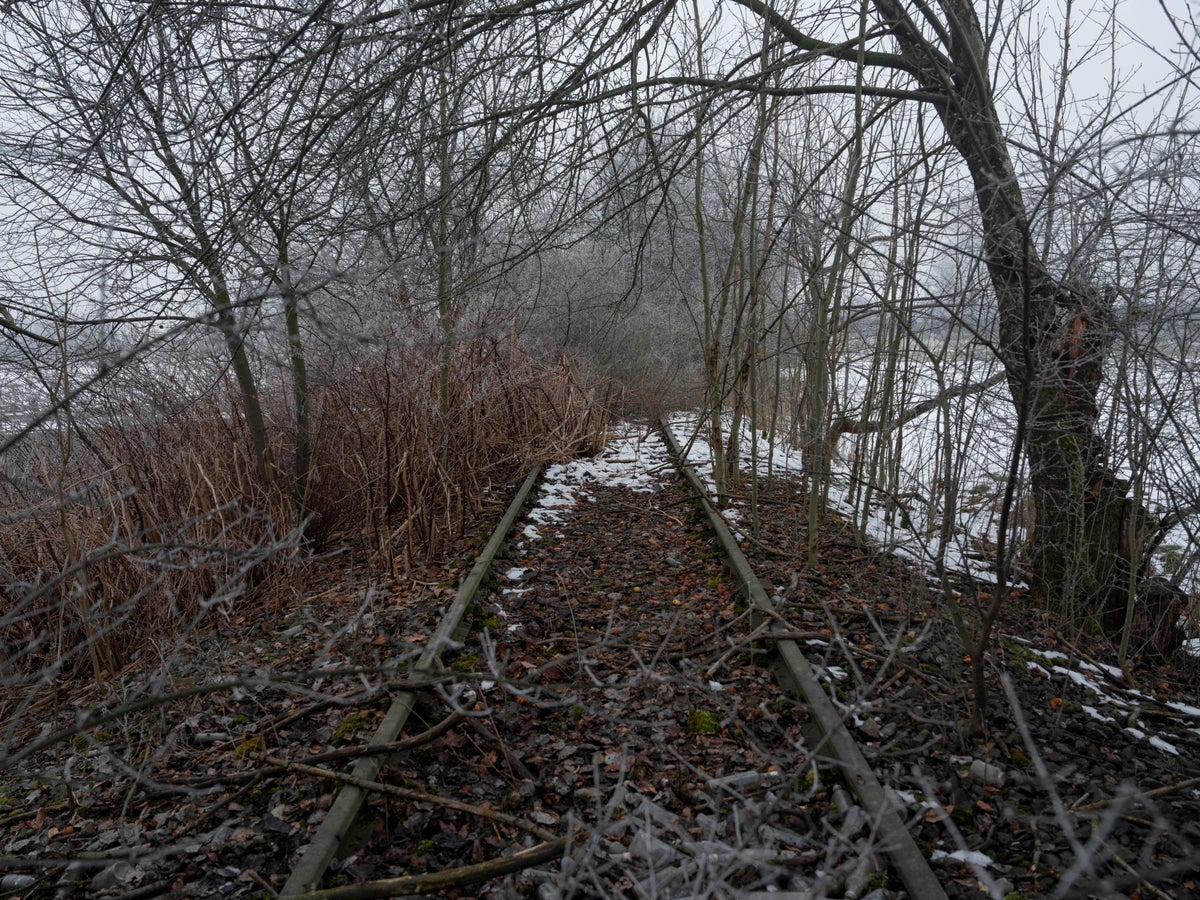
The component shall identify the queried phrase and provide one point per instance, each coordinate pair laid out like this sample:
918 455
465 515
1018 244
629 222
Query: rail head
906 857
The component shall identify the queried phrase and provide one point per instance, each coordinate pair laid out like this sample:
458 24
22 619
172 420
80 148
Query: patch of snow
1049 654
970 857
1078 678
1166 747
1105 668
1184 708
1095 713
632 458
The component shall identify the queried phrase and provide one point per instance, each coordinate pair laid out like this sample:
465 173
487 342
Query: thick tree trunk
1053 336
1081 558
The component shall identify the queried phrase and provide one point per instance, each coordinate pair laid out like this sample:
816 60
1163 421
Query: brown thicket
132 522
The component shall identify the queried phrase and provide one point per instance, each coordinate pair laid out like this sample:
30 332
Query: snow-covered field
894 484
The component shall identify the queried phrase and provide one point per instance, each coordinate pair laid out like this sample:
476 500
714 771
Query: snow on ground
967 443
1107 697
634 457
637 457
896 528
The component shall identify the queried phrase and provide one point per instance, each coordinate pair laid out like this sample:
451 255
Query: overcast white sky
1148 47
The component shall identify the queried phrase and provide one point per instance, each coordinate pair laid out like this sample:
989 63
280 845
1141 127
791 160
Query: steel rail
316 857
905 856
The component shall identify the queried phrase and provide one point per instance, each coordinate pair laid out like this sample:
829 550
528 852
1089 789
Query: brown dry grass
116 537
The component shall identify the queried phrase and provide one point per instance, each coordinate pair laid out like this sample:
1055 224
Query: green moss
468 662
83 741
349 727
702 721
1019 758
962 814
491 622
254 745
716 581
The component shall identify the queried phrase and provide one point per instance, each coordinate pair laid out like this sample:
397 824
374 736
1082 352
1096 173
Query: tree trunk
1053 337
302 469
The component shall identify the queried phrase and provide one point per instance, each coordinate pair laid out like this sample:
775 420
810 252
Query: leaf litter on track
616 690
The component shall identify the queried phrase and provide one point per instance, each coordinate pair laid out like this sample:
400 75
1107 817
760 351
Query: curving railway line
620 709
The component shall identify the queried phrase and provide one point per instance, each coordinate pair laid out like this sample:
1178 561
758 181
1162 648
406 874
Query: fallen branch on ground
1140 795
407 794
433 882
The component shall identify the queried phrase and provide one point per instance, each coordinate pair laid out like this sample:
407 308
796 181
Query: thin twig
407 794
391 747
1116 857
1140 795
436 882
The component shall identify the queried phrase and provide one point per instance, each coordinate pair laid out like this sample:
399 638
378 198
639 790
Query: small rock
651 849
870 728
111 876
986 773
275 825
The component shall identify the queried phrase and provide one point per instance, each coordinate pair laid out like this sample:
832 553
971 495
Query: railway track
623 712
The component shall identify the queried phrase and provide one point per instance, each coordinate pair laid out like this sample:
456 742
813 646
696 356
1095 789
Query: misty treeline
276 277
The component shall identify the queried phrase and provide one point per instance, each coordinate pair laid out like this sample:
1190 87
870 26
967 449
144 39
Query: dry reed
144 516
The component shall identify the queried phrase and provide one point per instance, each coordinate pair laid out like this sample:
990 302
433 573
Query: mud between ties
621 699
